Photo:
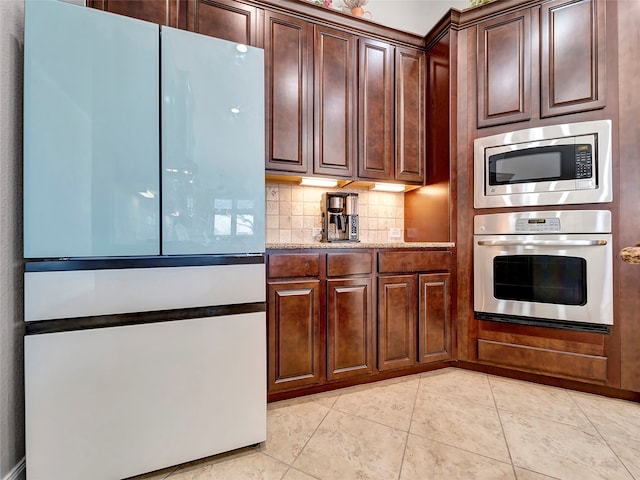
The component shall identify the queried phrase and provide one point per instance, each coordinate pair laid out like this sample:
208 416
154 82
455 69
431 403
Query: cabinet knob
630 254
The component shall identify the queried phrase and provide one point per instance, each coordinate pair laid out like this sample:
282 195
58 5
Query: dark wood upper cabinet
288 48
335 102
410 115
376 110
504 69
162 12
226 19
391 112
573 63
554 55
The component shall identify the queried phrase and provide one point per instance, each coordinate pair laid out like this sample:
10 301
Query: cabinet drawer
294 265
542 360
352 263
405 262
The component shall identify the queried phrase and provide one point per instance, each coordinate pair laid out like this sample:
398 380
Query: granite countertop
630 254
327 245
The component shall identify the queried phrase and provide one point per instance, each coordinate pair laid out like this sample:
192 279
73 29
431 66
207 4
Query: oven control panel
550 222
537 225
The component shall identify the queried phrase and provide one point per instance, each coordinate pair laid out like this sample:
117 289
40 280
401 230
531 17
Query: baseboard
17 472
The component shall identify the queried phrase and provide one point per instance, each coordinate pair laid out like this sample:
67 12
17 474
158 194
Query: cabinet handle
541 243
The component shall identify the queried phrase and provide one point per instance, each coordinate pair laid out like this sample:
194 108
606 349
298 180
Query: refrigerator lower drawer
85 293
116 402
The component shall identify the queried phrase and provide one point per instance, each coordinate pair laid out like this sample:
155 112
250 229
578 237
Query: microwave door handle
541 243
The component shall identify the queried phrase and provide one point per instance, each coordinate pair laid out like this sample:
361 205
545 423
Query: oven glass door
540 278
544 277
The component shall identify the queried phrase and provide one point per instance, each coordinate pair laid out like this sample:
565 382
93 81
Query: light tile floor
447 424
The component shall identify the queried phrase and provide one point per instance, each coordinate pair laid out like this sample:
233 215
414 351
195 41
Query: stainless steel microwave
552 165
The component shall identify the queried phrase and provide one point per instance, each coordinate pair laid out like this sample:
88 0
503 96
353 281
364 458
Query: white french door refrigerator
144 245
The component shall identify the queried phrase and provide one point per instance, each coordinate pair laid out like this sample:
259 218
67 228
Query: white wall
11 329
416 16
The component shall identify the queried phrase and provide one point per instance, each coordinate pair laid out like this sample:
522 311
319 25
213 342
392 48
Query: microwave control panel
583 161
538 225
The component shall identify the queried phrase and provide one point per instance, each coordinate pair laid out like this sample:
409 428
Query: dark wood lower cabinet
396 321
413 320
295 353
434 324
546 351
349 328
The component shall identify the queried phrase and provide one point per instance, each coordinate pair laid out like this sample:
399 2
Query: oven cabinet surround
628 275
530 66
324 330
586 360
413 308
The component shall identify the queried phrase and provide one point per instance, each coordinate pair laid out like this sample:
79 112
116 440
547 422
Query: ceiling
415 16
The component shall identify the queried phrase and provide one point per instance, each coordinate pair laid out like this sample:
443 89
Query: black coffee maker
340 217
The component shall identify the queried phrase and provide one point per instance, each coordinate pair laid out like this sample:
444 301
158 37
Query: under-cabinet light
318 182
388 187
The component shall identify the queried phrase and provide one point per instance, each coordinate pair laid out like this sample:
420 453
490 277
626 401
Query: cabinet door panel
212 146
294 335
397 322
573 60
91 137
162 12
224 19
289 93
349 328
410 115
335 112
375 105
434 324
504 69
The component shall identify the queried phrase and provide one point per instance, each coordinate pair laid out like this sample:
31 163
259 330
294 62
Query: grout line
504 434
312 434
406 442
602 436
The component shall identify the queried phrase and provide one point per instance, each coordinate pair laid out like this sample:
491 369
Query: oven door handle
541 243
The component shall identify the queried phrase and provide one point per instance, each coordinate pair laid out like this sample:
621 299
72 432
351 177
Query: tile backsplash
293 211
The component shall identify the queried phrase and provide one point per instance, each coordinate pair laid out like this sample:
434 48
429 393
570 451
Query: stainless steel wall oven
551 268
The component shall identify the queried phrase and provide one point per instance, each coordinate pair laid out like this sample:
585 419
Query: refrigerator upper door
91 136
212 145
